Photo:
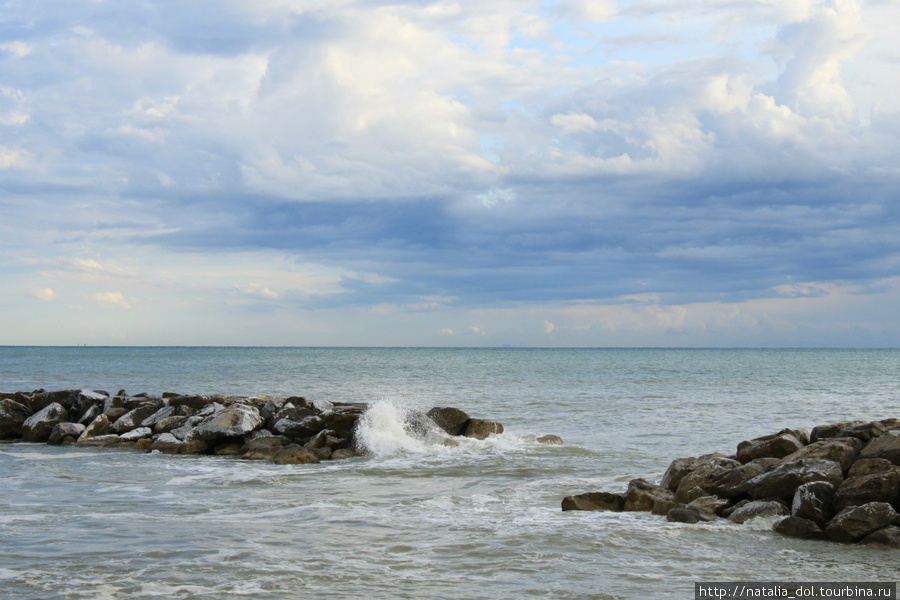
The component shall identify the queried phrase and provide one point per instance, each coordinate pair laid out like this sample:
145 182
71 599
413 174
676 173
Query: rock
63 430
783 480
187 428
12 416
90 413
37 427
163 413
699 482
867 466
99 440
452 420
143 444
343 416
712 504
271 407
260 453
136 434
193 402
65 398
681 513
99 426
550 439
642 495
864 432
798 527
293 454
856 522
680 467
886 446
779 445
821 432
883 539
733 483
882 486
479 429
343 453
234 421
814 501
133 418
841 450
758 508
271 441
228 449
87 399
317 441
594 501
166 443
170 423
289 417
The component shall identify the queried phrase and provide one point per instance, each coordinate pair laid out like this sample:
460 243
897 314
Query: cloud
44 294
113 299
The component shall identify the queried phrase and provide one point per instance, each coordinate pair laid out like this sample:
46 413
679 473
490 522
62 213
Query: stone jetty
838 482
288 430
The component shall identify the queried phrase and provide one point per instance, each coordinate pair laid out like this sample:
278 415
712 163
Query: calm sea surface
413 519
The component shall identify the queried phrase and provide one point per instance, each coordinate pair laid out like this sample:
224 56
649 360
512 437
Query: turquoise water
414 520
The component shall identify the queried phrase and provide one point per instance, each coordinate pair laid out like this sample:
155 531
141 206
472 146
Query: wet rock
271 407
163 413
700 481
594 501
883 539
99 426
856 522
680 467
783 480
12 416
758 508
681 513
166 443
187 428
550 439
642 495
136 434
883 486
343 416
452 420
886 446
841 450
109 440
867 466
814 501
63 430
779 445
37 427
712 504
864 432
234 421
169 424
343 453
65 398
480 429
798 527
90 413
228 449
733 483
193 402
821 432
293 454
133 418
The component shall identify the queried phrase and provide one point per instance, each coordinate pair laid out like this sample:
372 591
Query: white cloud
45 294
113 299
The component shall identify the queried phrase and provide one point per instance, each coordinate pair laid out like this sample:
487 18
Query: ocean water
414 518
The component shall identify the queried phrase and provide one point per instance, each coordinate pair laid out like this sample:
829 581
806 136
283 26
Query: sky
612 173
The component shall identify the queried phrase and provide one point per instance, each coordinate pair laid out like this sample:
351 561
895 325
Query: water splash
388 428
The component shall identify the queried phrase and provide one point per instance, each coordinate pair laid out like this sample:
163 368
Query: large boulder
864 432
821 432
886 446
234 421
133 418
479 429
594 501
39 426
700 481
883 539
680 467
783 480
642 495
108 440
193 402
814 501
452 420
856 522
779 445
293 454
758 508
12 416
841 450
883 486
61 431
799 528
99 426
343 416
681 513
733 483
867 466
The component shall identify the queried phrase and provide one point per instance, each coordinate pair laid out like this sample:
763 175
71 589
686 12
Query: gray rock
814 501
479 429
89 414
186 429
758 508
166 443
193 402
733 483
821 432
864 432
343 453
799 528
133 418
550 439
452 420
783 480
343 416
271 407
302 430
234 421
681 467
841 450
99 440
867 466
883 486
170 423
883 539
856 522
711 504
700 481
12 416
594 501
99 426
163 413
37 427
63 430
778 445
293 454
136 434
887 446
642 495
681 513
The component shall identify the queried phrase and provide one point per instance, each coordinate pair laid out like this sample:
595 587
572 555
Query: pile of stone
281 430
839 482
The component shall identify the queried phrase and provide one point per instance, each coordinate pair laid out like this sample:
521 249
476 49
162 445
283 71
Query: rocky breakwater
838 482
289 430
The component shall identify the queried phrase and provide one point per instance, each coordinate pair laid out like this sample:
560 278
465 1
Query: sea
413 518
